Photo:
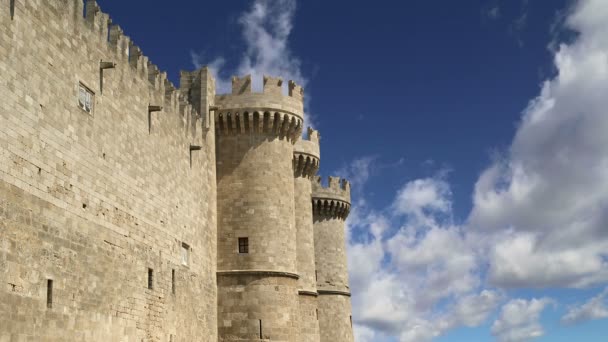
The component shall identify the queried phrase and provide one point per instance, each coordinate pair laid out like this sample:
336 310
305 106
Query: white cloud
266 28
423 195
539 217
546 201
413 261
519 320
364 334
595 308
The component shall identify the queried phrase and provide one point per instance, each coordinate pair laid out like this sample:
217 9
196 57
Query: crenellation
134 55
273 85
96 19
241 85
115 39
313 136
336 188
296 91
153 75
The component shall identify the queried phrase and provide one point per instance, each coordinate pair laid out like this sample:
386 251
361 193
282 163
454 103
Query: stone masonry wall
93 201
335 318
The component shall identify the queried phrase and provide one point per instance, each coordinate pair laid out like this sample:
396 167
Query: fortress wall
93 201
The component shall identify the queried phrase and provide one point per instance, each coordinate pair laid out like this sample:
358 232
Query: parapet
332 200
306 155
269 112
129 54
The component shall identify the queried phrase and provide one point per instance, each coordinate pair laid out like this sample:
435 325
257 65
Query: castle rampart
96 203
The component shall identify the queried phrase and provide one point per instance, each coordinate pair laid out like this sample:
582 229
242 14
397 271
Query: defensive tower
305 165
257 259
331 206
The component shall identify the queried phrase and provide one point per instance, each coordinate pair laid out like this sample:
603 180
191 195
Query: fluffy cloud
546 201
412 261
595 308
519 320
538 220
266 28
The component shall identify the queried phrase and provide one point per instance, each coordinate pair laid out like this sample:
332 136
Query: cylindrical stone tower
257 258
305 166
331 206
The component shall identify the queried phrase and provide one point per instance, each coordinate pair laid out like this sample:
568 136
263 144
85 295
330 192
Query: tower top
306 155
333 200
269 112
337 189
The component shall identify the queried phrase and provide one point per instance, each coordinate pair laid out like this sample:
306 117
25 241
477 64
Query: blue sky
473 132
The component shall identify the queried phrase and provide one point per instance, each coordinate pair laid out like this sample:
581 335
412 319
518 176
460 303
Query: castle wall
92 201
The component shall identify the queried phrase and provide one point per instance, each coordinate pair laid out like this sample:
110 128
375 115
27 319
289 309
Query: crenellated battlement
332 200
306 155
125 53
269 112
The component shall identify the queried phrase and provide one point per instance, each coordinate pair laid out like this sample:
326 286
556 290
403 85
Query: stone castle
132 210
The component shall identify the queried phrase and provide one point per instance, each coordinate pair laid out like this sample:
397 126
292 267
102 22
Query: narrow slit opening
150 278
261 329
173 281
49 293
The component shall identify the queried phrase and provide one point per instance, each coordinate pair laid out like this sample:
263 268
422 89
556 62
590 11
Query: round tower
331 206
305 165
257 258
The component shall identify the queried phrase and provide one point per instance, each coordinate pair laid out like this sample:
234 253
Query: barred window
85 98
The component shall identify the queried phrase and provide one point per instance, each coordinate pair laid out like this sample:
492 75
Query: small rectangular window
185 254
85 98
173 281
49 293
150 278
243 245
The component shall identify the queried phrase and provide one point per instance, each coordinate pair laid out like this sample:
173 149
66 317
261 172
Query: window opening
185 254
85 98
173 281
243 245
150 278
49 293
